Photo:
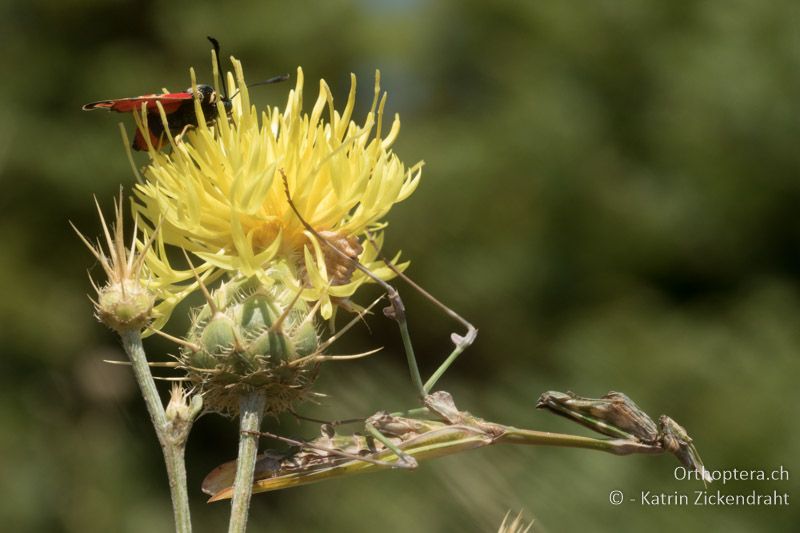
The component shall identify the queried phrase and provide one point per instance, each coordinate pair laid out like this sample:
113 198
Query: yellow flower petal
219 192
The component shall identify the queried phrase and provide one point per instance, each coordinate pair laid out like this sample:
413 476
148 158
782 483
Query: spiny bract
249 337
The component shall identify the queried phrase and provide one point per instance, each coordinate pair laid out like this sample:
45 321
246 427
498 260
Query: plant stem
172 438
251 410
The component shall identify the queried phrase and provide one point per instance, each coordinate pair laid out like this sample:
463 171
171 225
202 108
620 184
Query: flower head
251 338
219 193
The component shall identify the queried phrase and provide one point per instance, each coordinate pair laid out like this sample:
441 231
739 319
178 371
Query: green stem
171 438
251 410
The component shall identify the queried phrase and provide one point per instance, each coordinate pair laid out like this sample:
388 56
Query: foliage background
611 196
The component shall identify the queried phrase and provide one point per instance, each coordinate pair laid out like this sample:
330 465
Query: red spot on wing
170 102
140 144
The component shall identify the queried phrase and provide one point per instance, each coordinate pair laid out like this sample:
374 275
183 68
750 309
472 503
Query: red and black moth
178 108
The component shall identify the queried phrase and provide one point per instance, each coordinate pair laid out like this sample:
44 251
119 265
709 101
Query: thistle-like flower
125 302
219 194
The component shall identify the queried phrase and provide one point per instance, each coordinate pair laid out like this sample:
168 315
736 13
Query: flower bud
125 305
251 337
182 406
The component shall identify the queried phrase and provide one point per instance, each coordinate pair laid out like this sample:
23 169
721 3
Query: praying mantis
399 440
440 429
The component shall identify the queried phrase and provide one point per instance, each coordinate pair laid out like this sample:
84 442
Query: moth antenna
215 44
275 79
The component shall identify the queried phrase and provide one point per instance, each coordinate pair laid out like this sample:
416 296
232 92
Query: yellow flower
219 193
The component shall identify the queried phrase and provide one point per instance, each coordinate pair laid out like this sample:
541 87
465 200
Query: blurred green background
611 196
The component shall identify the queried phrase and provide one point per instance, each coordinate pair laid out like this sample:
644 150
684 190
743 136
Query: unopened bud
124 306
182 407
251 337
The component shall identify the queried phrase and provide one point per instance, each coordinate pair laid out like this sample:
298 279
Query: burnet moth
178 107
